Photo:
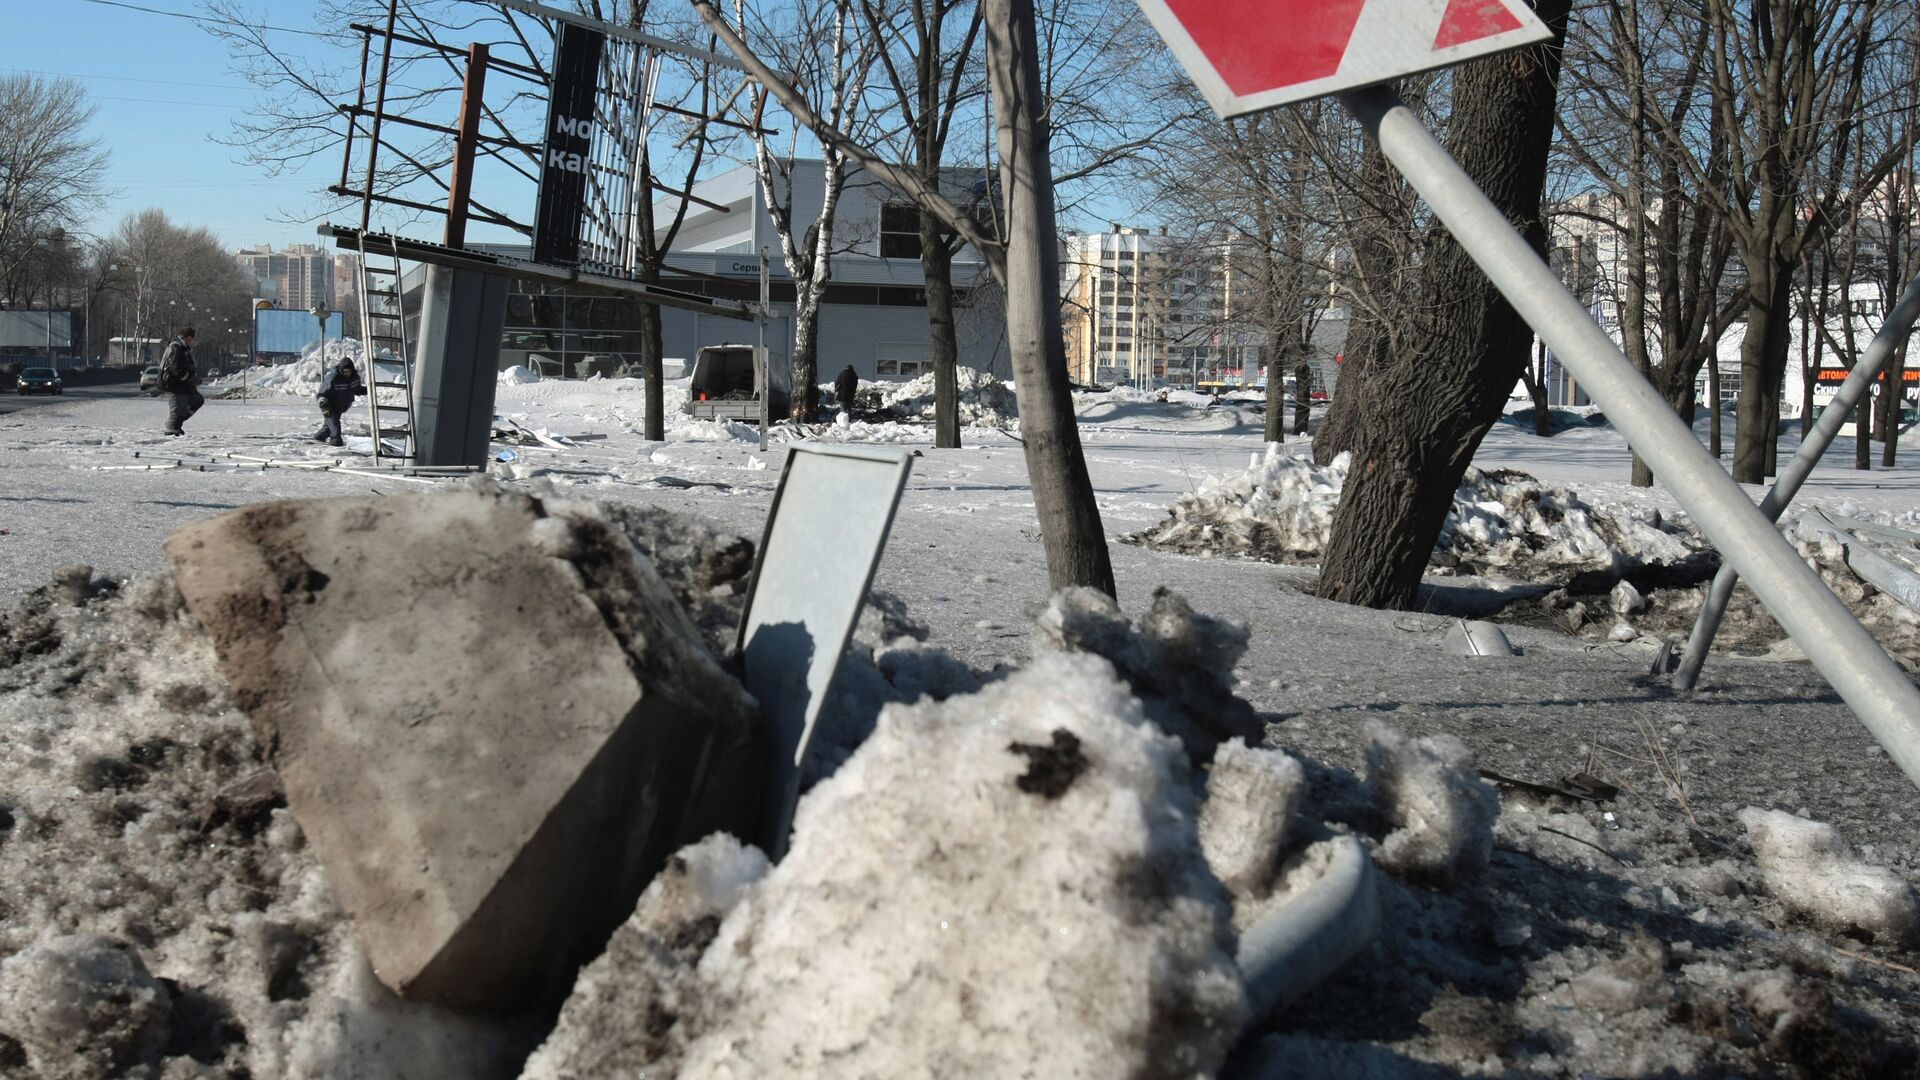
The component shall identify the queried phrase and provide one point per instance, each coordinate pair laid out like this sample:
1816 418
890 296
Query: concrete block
491 718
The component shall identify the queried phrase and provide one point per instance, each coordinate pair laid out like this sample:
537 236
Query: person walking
178 380
338 387
845 387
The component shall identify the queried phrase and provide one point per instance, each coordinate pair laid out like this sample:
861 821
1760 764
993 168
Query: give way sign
1248 55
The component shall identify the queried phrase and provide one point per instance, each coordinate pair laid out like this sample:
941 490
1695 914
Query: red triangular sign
1471 20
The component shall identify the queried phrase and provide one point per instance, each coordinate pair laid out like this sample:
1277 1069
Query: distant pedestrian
846 387
178 380
338 387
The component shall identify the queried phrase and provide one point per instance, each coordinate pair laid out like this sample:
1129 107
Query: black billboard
567 156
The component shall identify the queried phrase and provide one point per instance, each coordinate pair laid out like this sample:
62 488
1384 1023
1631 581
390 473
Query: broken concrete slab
491 718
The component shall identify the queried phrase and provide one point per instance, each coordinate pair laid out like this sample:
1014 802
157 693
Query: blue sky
163 89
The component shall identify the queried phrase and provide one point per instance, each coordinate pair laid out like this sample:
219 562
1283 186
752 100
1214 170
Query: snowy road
12 402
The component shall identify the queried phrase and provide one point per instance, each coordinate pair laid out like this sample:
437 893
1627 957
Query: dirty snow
1656 890
1808 866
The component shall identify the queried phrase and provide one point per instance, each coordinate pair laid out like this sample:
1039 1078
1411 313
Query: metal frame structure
1880 693
626 102
1826 428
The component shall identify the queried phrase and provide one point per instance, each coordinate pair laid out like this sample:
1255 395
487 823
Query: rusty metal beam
471 95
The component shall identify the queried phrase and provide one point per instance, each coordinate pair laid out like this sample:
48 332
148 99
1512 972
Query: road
11 402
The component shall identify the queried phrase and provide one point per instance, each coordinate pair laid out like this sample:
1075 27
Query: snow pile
301 377
1442 813
1807 866
985 401
1281 509
1179 662
951 892
518 376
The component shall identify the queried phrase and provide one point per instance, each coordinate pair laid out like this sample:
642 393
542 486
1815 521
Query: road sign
1248 55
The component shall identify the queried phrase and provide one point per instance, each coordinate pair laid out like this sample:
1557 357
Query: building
1142 307
874 316
300 277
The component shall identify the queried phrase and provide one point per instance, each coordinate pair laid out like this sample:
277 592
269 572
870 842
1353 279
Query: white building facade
874 316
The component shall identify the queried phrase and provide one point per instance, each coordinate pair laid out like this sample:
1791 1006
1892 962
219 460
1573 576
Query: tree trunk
652 344
1369 336
1063 497
1763 359
936 265
805 406
1427 411
1891 400
1713 402
1538 388
1278 352
1303 392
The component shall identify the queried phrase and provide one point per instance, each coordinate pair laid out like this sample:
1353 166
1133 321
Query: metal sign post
1865 370
1875 687
1244 67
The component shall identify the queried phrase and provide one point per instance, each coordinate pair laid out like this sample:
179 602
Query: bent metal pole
1825 429
1877 690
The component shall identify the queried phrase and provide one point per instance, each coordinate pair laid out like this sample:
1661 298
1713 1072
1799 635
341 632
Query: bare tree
166 276
1633 71
49 171
1026 264
1791 82
828 60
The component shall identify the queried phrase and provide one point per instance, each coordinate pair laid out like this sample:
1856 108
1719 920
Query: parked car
149 380
40 380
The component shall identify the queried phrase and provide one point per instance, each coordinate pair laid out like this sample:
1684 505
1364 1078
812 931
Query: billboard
569 151
27 330
287 332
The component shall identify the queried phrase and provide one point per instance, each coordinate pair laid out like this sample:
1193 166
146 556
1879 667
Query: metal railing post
1825 429
1875 687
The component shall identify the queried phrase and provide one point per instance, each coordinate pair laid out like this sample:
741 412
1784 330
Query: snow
1476 977
984 400
1441 811
1252 794
1502 522
1005 883
1807 865
83 1005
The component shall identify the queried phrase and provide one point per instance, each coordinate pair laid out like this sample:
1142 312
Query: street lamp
320 313
56 244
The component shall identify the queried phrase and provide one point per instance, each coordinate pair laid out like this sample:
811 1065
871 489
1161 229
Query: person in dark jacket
845 386
338 387
178 379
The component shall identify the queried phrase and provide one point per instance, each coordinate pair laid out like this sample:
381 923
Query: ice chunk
1807 867
1251 797
1441 811
1625 599
83 1006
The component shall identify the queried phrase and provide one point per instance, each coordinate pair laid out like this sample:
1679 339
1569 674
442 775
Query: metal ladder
383 326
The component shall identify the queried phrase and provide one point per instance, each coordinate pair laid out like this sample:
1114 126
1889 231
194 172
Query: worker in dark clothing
845 387
338 387
178 380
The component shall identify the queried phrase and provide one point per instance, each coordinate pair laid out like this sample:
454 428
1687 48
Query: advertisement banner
568 152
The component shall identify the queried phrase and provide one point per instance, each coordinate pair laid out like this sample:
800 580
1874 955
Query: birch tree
828 60
1026 264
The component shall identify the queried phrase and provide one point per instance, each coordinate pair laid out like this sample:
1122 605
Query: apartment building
301 276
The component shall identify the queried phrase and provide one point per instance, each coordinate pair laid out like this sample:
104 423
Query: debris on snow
1442 813
1179 662
83 1006
1807 867
1626 600
1008 883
